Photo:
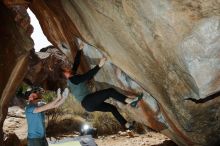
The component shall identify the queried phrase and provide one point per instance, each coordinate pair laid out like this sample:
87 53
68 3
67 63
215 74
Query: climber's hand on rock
81 45
102 61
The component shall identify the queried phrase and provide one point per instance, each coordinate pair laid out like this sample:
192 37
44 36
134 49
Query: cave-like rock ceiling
170 48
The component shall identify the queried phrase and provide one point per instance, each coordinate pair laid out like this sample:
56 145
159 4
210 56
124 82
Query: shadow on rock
12 140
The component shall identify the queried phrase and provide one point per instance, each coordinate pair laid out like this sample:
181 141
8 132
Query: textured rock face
169 47
15 44
45 69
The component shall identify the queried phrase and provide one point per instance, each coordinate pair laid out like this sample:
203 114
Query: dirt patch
149 139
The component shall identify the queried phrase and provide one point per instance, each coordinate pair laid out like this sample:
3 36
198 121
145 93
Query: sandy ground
149 139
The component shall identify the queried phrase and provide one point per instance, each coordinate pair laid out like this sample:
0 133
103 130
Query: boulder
168 48
15 44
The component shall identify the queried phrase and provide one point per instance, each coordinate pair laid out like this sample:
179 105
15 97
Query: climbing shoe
136 100
129 126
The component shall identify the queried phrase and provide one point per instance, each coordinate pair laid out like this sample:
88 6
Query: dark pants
95 102
37 142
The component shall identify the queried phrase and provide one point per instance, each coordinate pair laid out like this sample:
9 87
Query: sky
39 38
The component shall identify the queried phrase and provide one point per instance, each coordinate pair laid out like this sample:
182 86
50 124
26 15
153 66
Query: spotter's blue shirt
35 121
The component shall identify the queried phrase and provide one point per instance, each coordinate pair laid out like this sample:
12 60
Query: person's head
34 95
67 73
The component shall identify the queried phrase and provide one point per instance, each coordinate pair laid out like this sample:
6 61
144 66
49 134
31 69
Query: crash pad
70 143
85 140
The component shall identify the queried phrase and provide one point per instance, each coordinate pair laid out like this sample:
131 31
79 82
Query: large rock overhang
170 48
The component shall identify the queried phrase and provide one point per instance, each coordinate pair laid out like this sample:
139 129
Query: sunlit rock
169 48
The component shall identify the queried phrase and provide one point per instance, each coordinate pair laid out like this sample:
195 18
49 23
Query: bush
67 125
105 123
